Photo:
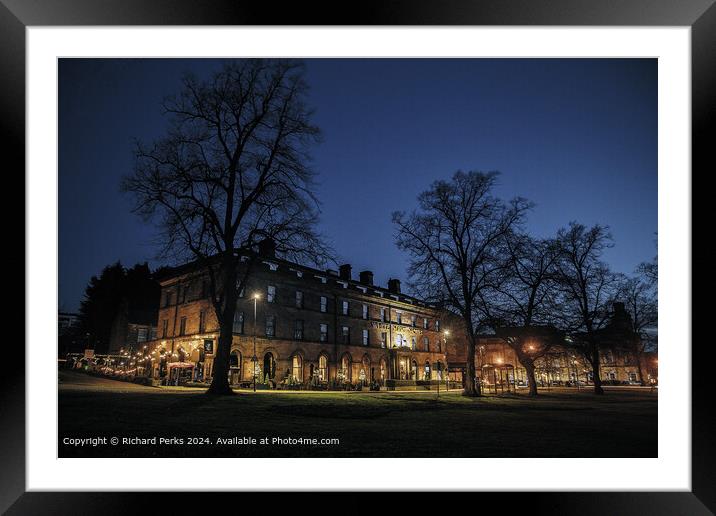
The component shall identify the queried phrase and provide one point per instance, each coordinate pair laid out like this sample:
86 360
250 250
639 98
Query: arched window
427 370
297 368
235 366
344 373
269 370
322 368
383 369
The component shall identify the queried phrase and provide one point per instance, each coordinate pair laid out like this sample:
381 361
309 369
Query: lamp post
447 378
256 297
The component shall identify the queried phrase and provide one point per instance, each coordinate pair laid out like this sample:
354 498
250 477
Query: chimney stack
267 247
345 271
394 286
366 277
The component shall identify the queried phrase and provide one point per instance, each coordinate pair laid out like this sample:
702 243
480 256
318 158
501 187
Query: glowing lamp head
257 296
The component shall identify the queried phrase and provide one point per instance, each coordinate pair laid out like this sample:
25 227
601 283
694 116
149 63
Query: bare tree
649 271
231 171
524 302
587 288
453 241
640 301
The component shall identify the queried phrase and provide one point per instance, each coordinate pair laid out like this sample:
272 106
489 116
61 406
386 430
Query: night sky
578 137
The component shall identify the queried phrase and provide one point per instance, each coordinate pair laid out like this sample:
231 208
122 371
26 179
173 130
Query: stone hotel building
310 326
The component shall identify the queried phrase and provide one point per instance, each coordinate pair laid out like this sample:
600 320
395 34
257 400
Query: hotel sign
398 327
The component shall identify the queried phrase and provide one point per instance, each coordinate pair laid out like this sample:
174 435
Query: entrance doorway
269 370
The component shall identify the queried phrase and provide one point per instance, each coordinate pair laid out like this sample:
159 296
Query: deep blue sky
576 136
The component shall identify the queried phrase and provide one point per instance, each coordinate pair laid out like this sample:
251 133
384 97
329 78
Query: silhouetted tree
525 301
105 293
639 295
453 240
587 289
231 171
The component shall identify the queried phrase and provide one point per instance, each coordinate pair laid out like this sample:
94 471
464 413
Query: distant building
67 322
132 329
497 366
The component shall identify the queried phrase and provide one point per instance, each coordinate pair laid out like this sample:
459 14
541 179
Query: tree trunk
596 371
640 366
529 366
472 388
220 380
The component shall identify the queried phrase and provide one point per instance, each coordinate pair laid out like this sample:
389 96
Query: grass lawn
560 423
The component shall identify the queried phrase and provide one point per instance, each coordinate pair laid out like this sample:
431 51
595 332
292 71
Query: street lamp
256 297
447 379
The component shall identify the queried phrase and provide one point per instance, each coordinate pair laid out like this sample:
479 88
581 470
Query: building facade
498 368
303 325
132 329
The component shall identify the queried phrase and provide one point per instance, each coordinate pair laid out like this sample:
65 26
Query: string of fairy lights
149 358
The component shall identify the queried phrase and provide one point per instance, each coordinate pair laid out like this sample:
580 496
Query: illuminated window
426 323
399 317
270 294
324 304
345 308
383 338
382 314
365 337
322 368
437 325
297 366
346 334
413 320
324 332
426 343
399 340
365 311
412 343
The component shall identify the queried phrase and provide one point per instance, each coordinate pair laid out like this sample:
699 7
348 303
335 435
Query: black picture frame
700 15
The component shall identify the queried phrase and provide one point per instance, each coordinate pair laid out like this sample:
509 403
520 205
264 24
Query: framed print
411 249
